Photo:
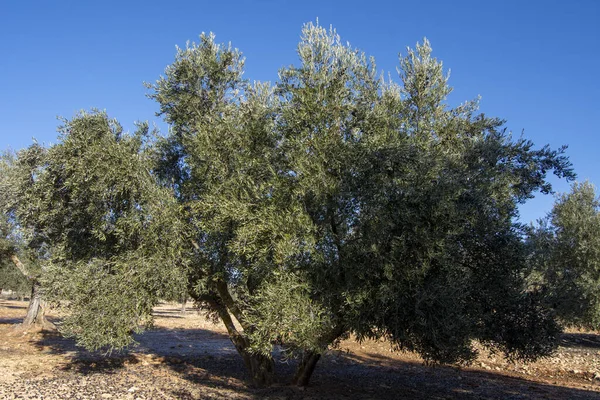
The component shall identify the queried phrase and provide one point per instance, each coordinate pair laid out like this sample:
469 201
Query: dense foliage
566 256
332 202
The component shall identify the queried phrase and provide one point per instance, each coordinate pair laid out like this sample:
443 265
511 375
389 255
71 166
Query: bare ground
188 357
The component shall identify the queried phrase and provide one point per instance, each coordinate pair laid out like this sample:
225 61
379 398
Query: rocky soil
188 357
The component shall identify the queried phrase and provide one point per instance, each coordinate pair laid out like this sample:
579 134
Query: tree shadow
209 363
202 357
172 347
15 307
10 321
351 376
377 376
585 340
167 314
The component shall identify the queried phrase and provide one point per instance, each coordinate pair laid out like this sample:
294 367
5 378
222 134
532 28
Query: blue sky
535 63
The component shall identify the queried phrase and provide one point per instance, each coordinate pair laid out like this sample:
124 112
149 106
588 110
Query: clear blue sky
535 63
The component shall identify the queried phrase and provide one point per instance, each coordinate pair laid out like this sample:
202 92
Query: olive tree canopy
330 203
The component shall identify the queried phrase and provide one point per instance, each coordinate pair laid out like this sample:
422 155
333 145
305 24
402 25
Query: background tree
111 234
11 278
20 247
566 256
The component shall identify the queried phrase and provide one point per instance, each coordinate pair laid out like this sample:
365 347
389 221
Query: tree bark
306 368
309 360
35 311
260 367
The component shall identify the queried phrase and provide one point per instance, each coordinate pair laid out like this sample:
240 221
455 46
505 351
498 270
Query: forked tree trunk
260 367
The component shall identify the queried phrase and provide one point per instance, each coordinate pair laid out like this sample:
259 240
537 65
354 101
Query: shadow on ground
10 321
375 377
15 307
207 361
584 340
168 314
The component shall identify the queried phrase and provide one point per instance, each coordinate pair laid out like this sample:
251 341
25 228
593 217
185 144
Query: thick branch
20 266
310 358
227 321
225 296
259 366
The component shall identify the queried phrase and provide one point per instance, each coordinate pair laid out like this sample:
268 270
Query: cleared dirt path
188 357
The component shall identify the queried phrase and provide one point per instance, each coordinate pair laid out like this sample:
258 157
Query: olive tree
110 235
336 202
566 256
333 202
21 248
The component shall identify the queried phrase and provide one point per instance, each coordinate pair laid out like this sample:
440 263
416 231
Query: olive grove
331 203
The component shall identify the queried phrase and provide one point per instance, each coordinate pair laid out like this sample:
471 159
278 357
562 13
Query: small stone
132 389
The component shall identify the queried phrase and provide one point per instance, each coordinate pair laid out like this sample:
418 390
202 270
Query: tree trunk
35 311
309 360
260 367
306 368
183 304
